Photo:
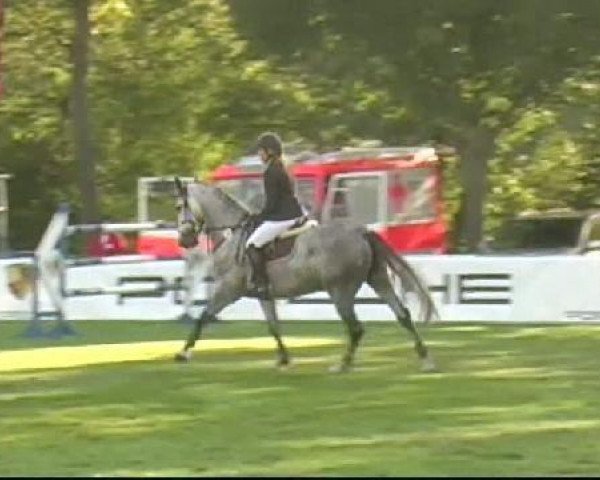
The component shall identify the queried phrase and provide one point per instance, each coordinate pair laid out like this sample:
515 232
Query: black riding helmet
271 142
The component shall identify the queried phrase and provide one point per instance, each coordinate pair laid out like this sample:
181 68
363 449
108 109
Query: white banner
465 288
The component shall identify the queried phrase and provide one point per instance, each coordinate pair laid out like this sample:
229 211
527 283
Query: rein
208 230
245 223
246 226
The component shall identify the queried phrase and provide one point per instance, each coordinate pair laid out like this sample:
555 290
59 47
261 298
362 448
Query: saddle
283 244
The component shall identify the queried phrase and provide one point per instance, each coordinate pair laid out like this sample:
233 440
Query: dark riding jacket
280 202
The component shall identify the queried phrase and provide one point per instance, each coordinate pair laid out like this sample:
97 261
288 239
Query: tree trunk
1 37
478 149
84 152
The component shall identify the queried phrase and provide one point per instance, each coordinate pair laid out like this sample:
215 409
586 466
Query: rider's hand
254 218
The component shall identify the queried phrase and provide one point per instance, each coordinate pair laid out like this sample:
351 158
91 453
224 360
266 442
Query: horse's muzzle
188 237
188 242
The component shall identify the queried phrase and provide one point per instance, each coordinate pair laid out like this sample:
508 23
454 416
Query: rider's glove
255 218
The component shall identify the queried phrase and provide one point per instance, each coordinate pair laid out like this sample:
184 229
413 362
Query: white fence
465 288
48 284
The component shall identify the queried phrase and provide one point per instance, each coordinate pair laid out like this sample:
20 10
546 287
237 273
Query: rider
280 212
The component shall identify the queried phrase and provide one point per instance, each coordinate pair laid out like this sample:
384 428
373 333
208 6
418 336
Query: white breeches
268 231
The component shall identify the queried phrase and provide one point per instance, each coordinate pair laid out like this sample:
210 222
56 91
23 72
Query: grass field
508 401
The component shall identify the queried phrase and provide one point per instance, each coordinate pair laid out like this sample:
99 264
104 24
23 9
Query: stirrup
258 289
262 292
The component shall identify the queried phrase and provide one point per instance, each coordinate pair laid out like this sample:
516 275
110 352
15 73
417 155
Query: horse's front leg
186 354
223 295
270 311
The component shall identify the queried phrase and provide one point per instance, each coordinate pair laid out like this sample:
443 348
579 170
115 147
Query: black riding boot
260 281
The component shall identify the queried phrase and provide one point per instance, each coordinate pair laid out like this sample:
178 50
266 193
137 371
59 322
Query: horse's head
200 205
189 223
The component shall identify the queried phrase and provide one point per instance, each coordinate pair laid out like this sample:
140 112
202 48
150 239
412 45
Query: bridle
195 227
189 220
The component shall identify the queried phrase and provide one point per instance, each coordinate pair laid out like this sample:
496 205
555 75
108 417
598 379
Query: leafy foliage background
181 86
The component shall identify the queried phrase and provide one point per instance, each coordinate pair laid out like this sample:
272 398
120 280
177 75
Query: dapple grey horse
336 257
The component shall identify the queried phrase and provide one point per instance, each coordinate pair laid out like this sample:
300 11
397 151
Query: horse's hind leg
343 299
380 282
270 311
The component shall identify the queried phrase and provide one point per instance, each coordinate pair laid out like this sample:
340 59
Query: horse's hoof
283 366
428 366
183 357
340 368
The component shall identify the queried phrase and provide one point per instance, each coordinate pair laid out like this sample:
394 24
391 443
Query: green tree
458 72
35 141
171 89
181 86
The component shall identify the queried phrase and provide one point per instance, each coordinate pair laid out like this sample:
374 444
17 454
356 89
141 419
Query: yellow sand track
66 357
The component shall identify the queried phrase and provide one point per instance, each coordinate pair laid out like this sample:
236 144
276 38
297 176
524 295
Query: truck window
305 191
411 196
159 202
357 198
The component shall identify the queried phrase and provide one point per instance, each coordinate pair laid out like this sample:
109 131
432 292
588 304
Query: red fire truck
394 191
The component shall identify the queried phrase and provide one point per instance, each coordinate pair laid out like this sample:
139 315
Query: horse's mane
233 203
230 200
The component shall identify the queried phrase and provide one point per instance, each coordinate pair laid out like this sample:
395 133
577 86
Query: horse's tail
408 276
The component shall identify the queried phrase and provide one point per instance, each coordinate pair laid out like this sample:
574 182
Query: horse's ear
179 186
